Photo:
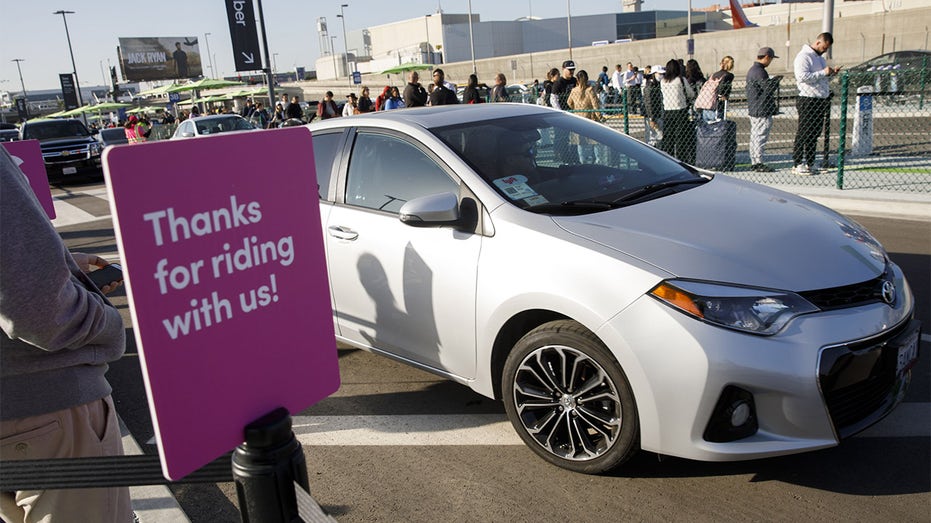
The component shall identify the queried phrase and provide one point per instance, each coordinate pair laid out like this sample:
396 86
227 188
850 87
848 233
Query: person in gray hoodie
60 333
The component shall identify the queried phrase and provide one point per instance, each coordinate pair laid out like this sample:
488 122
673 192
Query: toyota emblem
888 292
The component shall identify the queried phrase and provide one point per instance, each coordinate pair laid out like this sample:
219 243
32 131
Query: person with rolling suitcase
716 147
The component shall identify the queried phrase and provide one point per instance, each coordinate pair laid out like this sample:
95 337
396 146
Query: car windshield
54 129
557 163
222 125
112 134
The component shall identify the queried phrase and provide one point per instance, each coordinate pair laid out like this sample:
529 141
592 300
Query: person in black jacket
653 104
471 95
414 93
442 94
761 106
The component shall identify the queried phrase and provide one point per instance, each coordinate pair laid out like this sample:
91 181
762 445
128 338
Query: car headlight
757 311
94 149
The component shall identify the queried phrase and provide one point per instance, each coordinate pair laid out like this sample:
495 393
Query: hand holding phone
107 275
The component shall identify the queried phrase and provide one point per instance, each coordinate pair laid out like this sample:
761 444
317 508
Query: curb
893 205
151 503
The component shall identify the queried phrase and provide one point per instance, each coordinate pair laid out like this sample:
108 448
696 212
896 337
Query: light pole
569 26
213 71
333 51
471 38
342 17
274 62
22 83
70 50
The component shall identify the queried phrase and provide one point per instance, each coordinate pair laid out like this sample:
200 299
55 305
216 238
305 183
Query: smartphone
106 275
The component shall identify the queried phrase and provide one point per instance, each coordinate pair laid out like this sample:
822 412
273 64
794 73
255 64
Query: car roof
217 117
434 117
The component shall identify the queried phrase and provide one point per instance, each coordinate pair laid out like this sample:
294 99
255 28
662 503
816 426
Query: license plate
69 170
908 354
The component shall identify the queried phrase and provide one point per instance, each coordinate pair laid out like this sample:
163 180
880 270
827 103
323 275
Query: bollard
863 123
265 468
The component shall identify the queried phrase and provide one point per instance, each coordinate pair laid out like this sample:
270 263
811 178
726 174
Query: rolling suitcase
716 144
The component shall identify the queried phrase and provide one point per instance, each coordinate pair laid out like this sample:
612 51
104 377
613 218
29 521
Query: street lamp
342 17
274 62
213 71
471 39
22 83
70 50
332 50
569 26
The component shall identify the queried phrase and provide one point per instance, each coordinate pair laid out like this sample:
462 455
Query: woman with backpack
716 91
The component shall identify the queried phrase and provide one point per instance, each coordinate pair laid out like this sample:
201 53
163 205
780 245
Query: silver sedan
614 298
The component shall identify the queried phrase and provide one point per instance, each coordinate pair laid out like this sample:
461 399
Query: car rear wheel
569 399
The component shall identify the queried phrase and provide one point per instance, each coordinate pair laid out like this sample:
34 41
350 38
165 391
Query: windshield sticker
536 200
515 187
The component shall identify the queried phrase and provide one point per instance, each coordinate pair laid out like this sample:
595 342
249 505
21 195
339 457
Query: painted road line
406 430
67 214
908 420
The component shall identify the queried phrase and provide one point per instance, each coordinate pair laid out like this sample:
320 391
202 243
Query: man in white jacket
811 75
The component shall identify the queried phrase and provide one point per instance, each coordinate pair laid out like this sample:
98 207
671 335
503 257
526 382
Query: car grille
65 153
854 295
859 381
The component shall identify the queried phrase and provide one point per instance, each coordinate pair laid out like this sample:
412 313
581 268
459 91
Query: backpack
707 98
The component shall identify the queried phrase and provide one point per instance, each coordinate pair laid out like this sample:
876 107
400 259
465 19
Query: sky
32 32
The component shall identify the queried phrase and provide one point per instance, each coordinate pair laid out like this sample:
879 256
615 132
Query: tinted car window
222 125
326 149
54 129
385 172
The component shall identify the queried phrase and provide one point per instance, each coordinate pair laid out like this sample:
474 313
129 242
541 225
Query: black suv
68 148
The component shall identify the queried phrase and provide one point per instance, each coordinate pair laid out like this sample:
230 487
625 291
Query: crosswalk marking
67 214
907 421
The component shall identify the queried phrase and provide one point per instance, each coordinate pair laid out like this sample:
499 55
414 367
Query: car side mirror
187 134
435 210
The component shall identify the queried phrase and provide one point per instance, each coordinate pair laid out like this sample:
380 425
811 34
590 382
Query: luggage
716 144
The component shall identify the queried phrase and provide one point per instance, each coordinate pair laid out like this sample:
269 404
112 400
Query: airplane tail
738 17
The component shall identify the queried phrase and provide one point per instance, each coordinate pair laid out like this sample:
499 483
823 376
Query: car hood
739 232
71 140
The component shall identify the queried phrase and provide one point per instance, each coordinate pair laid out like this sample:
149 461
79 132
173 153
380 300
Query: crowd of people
673 99
677 97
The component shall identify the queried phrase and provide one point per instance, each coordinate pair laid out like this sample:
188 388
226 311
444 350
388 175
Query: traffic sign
356 77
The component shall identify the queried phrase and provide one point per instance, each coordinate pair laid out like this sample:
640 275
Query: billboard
160 58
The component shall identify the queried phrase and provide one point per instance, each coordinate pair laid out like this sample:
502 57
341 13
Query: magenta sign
222 249
28 155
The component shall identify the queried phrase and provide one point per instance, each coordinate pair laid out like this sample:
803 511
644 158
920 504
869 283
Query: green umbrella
403 68
165 89
146 109
105 106
203 84
72 112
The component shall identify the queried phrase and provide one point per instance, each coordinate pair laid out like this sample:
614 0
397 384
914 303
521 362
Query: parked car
613 297
9 135
210 125
518 93
895 73
68 147
112 136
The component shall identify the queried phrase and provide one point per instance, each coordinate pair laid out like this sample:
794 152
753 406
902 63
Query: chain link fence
874 133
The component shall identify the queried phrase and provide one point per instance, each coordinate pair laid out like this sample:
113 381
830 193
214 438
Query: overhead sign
27 154
227 284
160 58
68 92
244 35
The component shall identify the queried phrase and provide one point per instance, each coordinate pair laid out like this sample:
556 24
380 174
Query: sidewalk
864 202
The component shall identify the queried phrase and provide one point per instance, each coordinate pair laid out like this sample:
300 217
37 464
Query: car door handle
343 233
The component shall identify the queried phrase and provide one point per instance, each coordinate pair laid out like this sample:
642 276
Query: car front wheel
569 399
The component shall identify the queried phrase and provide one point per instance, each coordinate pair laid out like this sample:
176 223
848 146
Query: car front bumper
824 377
